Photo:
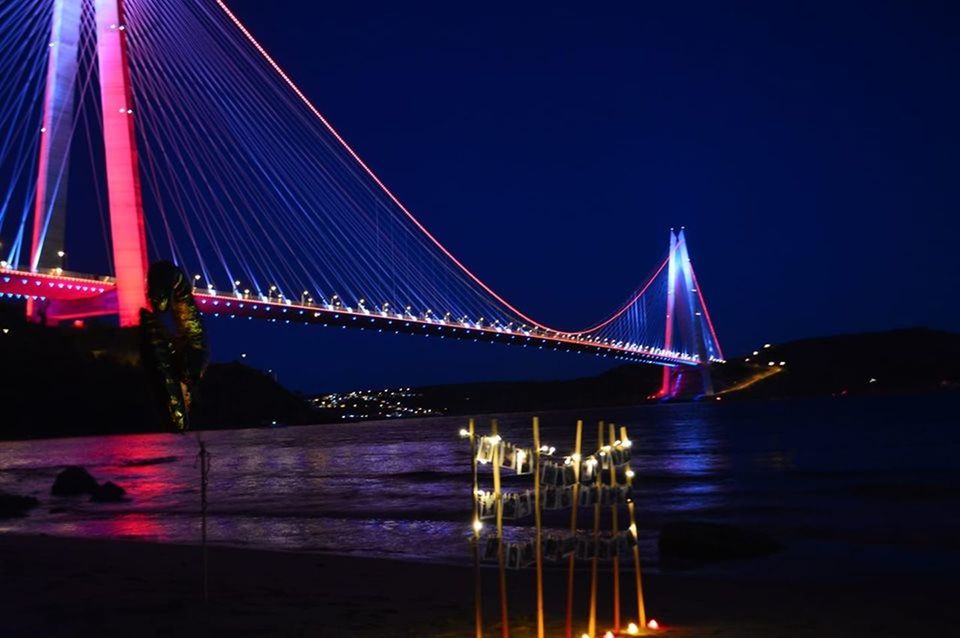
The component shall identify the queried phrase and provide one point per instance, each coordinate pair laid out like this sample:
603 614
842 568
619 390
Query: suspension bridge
203 151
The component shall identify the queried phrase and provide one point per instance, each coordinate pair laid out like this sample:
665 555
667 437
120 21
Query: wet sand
55 587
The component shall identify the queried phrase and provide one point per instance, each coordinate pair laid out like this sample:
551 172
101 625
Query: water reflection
402 488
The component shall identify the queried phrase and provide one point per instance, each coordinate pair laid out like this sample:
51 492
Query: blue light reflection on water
401 489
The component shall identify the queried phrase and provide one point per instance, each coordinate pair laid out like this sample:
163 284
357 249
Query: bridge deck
60 286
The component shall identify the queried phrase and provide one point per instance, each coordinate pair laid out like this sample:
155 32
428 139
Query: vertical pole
614 528
477 581
695 317
666 389
204 477
641 610
536 517
592 625
573 527
498 497
123 177
49 213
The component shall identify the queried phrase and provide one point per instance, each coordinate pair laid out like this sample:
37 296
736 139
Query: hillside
64 382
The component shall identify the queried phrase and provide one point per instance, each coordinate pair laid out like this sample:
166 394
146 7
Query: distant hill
65 382
912 361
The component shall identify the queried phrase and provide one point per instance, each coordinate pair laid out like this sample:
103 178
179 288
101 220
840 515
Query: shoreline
55 586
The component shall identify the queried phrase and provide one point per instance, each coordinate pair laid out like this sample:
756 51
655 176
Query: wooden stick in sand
613 529
592 625
641 610
536 516
498 496
575 459
477 595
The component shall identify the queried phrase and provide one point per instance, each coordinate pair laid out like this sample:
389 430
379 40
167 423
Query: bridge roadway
78 296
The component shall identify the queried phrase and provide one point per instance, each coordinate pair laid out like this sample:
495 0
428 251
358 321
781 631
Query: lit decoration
653 624
633 630
609 634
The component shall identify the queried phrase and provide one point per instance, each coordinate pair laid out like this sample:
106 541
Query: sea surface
861 484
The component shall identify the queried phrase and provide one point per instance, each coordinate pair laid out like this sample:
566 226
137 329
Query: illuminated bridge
204 152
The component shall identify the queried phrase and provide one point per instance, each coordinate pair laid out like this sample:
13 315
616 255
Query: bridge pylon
684 319
125 203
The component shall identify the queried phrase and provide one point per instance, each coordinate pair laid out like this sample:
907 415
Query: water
824 476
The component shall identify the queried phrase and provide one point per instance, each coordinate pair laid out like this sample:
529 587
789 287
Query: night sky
810 149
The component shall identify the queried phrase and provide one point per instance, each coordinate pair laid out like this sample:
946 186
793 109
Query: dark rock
12 505
73 481
109 492
697 542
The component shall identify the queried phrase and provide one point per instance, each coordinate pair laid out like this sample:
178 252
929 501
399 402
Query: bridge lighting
770 364
3 264
756 352
783 363
766 345
236 283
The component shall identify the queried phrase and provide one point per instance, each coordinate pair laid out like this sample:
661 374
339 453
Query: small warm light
609 634
653 624
584 635
464 433
477 526
633 630
783 363
60 254
630 474
633 529
770 364
766 345
756 352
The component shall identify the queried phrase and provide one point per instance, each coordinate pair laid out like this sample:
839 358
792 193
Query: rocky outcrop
74 481
109 492
12 505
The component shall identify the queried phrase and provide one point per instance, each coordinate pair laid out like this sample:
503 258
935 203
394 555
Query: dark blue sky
809 148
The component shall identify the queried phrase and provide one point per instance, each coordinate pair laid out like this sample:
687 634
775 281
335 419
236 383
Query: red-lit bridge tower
123 179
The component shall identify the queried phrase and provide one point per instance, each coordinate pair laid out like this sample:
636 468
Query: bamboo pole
573 527
613 529
498 496
592 625
641 610
477 580
536 517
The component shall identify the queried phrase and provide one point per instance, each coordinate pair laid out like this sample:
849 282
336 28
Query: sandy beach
76 587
